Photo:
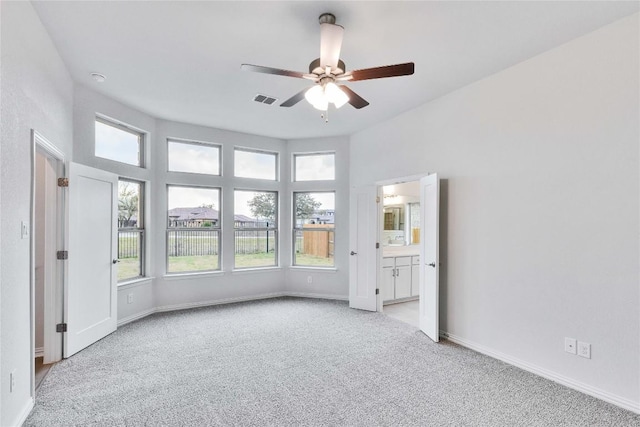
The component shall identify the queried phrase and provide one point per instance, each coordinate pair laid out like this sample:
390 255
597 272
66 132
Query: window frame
258 151
195 142
295 229
142 138
217 228
141 230
275 229
309 154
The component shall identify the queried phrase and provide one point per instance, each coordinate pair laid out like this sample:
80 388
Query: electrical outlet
584 349
12 381
570 345
309 279
129 298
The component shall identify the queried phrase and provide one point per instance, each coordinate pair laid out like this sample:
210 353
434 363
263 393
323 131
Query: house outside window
131 237
314 229
193 229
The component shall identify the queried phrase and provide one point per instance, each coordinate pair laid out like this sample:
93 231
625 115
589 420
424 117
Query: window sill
256 270
194 275
311 268
135 282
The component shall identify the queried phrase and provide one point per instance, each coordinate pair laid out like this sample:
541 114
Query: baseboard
545 373
22 417
317 296
198 304
136 316
38 352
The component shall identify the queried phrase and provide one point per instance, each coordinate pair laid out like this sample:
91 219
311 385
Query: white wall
541 192
37 93
326 283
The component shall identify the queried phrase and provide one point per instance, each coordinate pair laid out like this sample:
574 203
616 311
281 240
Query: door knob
354 253
433 264
115 261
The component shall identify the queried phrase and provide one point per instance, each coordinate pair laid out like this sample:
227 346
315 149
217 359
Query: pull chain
325 115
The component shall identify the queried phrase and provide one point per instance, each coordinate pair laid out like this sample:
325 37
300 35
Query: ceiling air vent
264 99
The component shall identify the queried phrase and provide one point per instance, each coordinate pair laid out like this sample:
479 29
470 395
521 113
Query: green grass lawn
128 268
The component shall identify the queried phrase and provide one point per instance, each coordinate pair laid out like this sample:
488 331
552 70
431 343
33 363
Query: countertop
393 251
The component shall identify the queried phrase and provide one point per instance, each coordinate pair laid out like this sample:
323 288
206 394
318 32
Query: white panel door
90 293
363 262
429 255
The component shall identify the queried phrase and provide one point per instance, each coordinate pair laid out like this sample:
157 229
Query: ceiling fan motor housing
315 68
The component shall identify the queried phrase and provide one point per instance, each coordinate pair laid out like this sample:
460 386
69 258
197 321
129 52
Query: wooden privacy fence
318 242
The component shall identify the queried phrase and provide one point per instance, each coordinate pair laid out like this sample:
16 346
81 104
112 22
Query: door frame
53 293
380 225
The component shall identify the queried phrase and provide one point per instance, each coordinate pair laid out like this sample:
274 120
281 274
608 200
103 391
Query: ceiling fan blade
380 72
330 44
269 70
354 99
294 99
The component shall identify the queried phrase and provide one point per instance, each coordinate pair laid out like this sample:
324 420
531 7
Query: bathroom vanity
400 273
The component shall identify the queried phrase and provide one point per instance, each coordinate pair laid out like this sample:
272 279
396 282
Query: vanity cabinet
396 277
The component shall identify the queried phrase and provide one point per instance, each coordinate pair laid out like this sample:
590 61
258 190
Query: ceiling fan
329 72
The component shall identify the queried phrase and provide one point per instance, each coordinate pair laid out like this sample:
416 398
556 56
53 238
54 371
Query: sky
116 144
194 158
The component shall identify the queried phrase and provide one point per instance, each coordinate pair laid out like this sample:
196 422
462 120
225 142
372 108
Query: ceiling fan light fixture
335 95
320 96
315 96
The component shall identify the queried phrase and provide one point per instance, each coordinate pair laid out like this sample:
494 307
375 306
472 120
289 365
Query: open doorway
47 275
365 263
400 244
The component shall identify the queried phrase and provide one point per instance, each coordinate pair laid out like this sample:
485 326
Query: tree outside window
130 230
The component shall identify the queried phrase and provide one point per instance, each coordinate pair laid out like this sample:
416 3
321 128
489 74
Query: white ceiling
181 60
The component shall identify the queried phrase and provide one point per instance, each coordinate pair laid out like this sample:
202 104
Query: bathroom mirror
394 217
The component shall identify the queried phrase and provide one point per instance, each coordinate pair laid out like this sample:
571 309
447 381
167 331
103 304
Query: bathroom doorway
47 208
400 244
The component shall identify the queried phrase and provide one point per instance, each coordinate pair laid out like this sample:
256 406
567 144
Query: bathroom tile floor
404 311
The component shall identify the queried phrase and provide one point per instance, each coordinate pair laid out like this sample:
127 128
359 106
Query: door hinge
377 199
61 327
63 182
377 245
62 254
377 291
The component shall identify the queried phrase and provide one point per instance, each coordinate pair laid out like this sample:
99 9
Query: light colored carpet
291 362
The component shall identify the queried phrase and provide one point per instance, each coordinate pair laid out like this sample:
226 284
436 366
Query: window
256 228
314 167
130 229
193 229
255 164
193 157
314 229
118 142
